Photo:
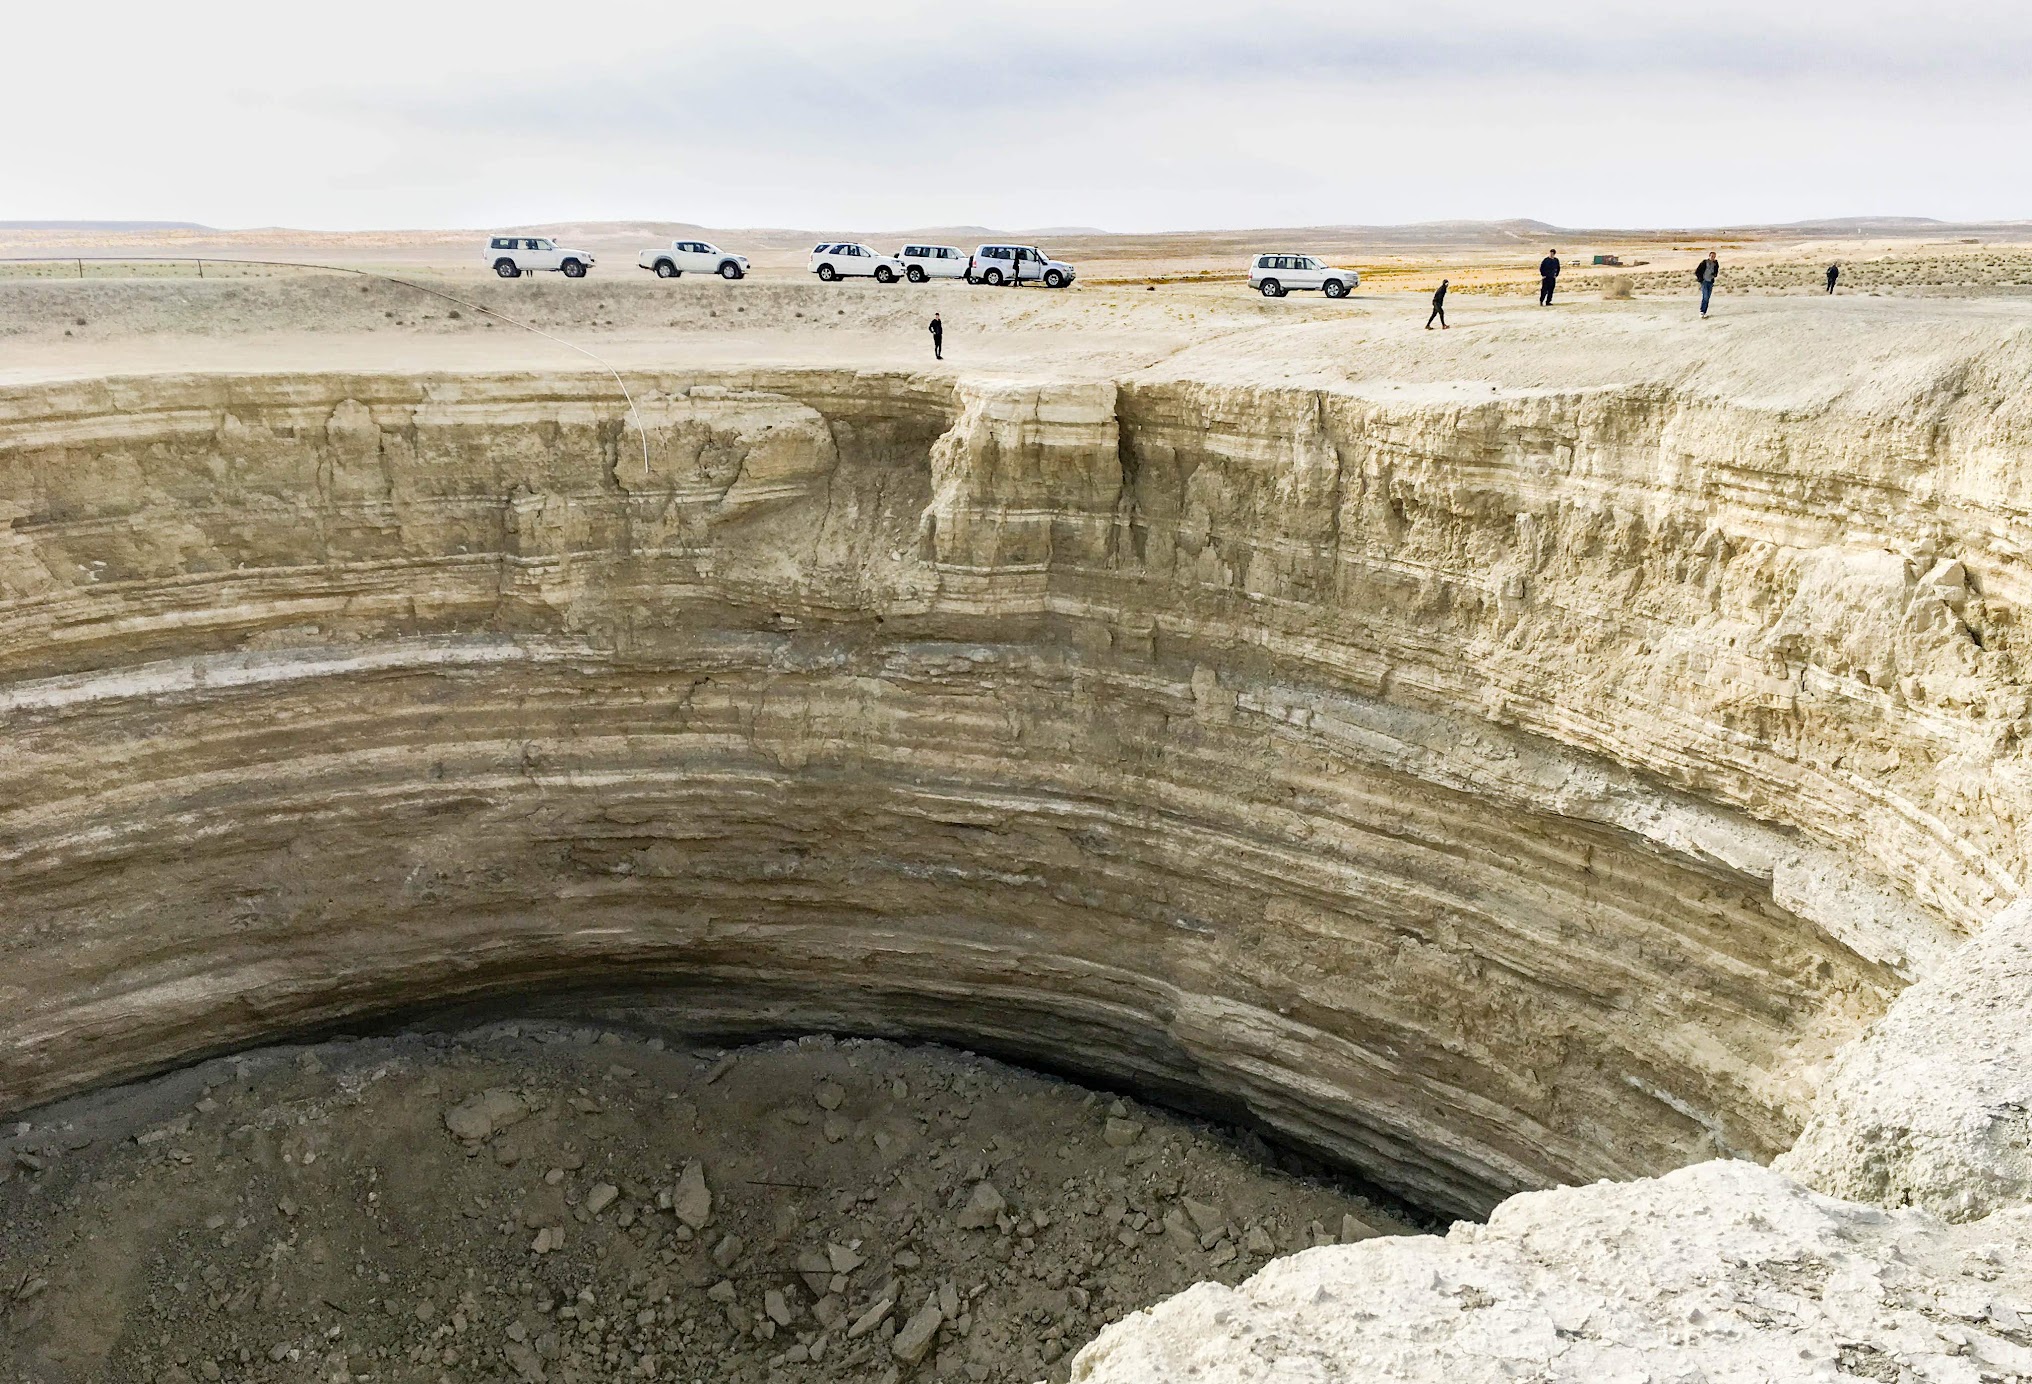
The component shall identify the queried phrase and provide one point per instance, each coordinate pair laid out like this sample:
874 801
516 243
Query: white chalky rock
1724 1272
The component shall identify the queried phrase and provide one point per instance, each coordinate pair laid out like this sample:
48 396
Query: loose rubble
542 1203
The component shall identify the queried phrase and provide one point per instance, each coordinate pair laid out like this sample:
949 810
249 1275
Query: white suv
692 256
1015 264
845 261
1276 275
515 255
921 262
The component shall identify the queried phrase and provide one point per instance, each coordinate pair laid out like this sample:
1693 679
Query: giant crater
1482 791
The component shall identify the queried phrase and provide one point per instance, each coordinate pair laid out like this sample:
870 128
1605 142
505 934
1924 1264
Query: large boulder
1933 1106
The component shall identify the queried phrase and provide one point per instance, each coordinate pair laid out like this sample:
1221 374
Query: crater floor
528 1201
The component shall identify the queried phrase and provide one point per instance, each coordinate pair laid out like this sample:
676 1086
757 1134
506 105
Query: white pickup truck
693 257
514 255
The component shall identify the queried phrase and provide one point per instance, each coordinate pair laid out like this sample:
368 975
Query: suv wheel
884 274
1272 289
1053 279
506 268
730 271
666 270
827 273
915 273
1334 288
573 269
993 277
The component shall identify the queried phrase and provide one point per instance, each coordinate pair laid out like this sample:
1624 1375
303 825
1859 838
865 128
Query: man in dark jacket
1548 277
1710 268
937 338
1438 307
1833 273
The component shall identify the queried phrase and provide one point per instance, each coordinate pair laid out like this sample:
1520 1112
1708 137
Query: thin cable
641 433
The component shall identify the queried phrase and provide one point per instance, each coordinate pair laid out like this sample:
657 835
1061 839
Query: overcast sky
1156 114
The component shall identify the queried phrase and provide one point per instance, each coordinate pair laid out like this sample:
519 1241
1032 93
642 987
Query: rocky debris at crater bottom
536 1202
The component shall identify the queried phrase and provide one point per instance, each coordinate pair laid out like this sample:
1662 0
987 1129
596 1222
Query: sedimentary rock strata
1487 791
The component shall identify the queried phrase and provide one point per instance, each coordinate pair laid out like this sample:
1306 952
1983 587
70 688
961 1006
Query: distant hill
103 226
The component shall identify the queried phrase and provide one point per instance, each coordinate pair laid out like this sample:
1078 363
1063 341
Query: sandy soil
1476 256
1368 342
544 1202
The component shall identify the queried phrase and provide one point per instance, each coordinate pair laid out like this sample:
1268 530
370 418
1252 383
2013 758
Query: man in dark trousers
1548 277
1710 268
1438 307
937 338
1833 273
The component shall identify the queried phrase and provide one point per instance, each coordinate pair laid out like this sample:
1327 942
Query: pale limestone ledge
1724 1273
1490 793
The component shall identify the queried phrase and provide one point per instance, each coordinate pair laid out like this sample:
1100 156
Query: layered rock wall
1488 792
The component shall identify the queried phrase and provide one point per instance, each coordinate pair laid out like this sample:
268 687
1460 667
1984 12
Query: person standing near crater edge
1709 270
1548 277
937 338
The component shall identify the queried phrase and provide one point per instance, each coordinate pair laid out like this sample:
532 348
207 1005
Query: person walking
1833 273
1705 276
1438 307
1548 277
937 338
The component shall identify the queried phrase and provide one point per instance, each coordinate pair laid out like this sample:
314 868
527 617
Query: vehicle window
1311 263
500 244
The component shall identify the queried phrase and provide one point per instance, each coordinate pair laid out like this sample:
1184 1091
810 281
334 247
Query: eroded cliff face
1487 792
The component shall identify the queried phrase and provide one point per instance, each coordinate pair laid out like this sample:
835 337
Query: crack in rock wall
1488 794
